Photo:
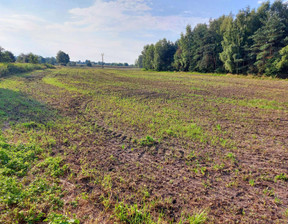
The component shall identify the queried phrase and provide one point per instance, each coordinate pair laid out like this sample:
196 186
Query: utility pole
102 60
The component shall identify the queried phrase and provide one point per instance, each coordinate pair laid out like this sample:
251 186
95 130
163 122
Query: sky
118 28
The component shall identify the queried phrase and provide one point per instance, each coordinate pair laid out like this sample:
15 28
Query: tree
28 58
211 48
72 63
51 60
163 55
88 63
6 56
62 58
148 57
1 53
249 42
22 58
139 61
41 60
184 52
268 40
32 58
282 65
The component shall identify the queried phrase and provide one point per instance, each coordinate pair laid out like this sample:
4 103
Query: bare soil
241 189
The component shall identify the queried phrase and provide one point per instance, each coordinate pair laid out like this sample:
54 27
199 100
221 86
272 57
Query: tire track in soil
161 187
218 198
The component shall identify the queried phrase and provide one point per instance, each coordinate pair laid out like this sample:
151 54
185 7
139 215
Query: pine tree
268 40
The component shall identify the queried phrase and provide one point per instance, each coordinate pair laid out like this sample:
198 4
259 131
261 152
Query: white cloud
129 15
106 26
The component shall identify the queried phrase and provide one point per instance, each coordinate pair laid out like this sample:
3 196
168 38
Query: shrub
14 68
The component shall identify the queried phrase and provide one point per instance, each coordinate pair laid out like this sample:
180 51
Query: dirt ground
236 171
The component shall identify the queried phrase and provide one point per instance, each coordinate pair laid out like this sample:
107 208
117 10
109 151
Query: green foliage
183 55
196 218
60 219
88 63
22 199
236 41
282 64
281 176
62 58
148 141
6 56
268 40
16 160
231 156
54 166
17 107
132 214
163 55
8 68
28 58
11 190
248 43
148 56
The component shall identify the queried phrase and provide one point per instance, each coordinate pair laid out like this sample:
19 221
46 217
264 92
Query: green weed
281 176
54 166
132 214
60 219
231 156
196 218
252 182
148 141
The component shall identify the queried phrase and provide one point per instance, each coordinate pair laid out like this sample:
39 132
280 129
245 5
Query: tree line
8 57
61 58
252 42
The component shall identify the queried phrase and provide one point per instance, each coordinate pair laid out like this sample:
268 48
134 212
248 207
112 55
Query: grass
23 199
26 195
141 147
281 176
13 68
132 214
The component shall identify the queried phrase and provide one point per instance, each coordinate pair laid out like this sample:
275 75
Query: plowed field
128 146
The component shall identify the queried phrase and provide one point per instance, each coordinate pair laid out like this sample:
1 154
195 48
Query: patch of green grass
281 176
231 156
14 68
23 199
252 182
54 166
197 218
17 160
55 82
60 219
148 141
259 103
132 214
286 213
18 107
30 125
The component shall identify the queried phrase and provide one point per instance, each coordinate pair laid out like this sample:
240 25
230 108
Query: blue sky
118 28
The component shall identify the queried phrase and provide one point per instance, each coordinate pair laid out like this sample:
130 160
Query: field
81 145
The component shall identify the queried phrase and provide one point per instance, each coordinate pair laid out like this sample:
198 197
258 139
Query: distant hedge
13 68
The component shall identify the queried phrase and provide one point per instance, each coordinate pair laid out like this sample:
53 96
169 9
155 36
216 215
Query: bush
14 68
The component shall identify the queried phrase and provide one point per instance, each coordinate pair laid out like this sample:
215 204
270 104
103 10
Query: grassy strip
9 68
25 197
30 189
